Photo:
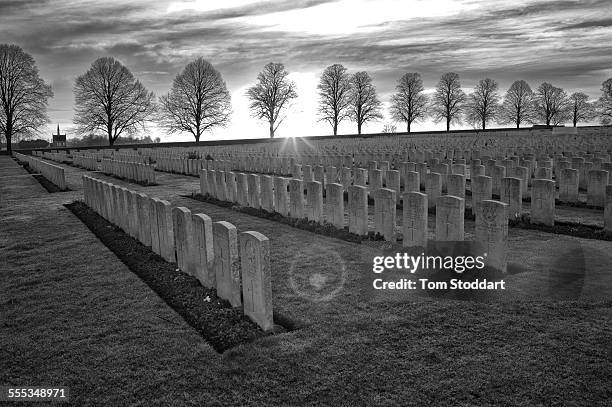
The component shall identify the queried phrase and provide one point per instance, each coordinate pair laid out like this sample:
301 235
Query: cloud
565 42
589 24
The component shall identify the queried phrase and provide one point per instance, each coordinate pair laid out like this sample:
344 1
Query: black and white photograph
306 203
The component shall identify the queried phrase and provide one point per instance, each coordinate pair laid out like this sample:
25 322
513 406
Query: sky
565 42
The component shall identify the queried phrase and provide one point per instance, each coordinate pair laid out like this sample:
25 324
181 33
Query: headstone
212 183
512 195
522 173
358 209
456 185
568 185
166 233
256 278
482 188
450 212
375 180
334 203
153 226
313 210
296 198
204 182
221 186
183 238
144 224
477 171
254 195
204 250
414 223
385 213
596 187
242 189
393 180
433 188
412 182
499 173
608 209
267 193
543 202
230 186
491 231
360 177
226 262
281 198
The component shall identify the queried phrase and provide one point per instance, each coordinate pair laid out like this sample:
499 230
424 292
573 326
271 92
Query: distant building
59 140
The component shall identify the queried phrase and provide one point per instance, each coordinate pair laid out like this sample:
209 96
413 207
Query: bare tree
604 104
483 103
448 100
580 108
198 100
409 104
517 107
23 95
271 94
389 128
365 105
335 96
551 104
110 100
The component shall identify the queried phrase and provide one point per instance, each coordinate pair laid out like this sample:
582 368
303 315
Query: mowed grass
73 315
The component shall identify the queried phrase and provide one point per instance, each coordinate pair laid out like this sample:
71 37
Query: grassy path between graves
74 315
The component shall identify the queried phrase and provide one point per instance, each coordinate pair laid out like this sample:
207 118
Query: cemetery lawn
74 315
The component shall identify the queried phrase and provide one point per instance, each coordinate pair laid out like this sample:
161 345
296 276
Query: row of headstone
177 165
134 171
286 196
87 161
51 172
60 157
236 265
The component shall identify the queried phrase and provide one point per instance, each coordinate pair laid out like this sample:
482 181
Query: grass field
74 315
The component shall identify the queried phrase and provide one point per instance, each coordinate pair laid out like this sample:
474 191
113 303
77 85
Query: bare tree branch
110 100
334 95
448 100
365 105
198 101
517 107
409 104
23 95
580 108
604 104
483 103
551 104
272 93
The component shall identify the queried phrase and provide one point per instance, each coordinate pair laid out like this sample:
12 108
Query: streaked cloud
566 42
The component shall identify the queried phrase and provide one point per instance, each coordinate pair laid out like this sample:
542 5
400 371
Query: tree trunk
197 137
408 127
335 128
518 122
484 124
358 128
9 146
448 124
271 130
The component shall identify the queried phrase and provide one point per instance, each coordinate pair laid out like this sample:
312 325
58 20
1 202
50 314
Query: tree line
109 100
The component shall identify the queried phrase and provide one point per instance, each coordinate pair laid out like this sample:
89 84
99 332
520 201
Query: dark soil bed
144 184
219 324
